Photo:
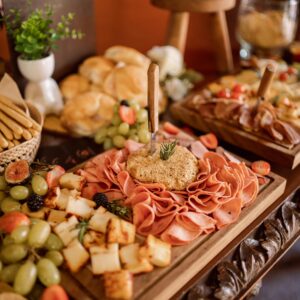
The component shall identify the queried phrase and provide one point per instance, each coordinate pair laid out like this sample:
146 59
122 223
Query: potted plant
35 38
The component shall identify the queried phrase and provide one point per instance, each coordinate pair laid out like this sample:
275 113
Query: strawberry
238 88
283 76
54 292
12 220
224 93
261 167
209 140
292 71
53 176
170 128
127 114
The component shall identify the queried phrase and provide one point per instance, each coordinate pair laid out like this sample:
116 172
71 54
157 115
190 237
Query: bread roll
87 112
96 68
128 56
73 85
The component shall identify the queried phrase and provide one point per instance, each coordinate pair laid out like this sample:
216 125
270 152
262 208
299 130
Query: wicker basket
26 150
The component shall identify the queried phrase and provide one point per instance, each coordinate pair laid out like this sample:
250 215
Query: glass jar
266 27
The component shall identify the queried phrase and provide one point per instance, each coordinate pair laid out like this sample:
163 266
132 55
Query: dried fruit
209 140
170 128
17 172
127 114
261 167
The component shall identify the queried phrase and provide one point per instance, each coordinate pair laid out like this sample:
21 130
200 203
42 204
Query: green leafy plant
35 37
167 150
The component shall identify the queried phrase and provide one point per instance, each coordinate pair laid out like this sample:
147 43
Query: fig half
17 172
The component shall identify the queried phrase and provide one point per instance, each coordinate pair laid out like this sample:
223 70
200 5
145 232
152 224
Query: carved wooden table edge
237 271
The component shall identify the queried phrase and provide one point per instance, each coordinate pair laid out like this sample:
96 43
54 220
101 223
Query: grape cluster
30 253
12 196
133 126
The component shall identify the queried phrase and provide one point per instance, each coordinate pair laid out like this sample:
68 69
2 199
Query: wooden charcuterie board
264 147
187 260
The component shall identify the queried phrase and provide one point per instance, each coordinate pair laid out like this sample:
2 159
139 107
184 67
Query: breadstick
10 144
33 132
10 123
25 121
6 131
3 141
26 135
16 142
13 106
17 136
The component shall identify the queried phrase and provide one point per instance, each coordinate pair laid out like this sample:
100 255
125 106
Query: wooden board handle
266 80
153 93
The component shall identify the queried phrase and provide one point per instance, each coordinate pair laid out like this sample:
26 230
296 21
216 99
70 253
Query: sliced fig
17 172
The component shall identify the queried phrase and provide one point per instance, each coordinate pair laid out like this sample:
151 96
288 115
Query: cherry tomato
292 71
283 76
238 88
224 93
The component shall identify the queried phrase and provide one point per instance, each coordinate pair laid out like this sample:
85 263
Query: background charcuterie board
262 146
187 261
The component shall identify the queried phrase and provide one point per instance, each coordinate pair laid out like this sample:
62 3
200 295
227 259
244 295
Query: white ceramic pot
42 90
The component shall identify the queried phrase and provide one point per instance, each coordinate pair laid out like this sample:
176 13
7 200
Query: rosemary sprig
116 208
167 150
82 226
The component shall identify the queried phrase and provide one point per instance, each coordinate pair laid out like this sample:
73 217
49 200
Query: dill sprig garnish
167 150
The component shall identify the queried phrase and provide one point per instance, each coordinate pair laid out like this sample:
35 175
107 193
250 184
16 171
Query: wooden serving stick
265 83
153 93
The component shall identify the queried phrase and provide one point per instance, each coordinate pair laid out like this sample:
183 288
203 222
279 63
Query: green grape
144 126
13 253
39 234
53 242
3 183
119 141
2 195
116 120
41 173
34 221
19 192
8 205
107 144
123 128
39 185
8 240
48 273
100 135
20 234
25 278
133 131
142 116
56 257
112 131
8 273
134 138
134 104
144 136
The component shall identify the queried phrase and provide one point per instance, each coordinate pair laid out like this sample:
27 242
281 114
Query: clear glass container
266 27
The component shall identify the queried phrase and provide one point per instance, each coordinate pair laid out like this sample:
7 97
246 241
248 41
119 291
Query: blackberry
124 103
35 202
100 199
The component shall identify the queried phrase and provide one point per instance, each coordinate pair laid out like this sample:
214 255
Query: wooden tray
288 157
187 260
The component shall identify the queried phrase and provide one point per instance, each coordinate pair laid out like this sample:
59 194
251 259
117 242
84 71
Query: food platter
187 260
266 148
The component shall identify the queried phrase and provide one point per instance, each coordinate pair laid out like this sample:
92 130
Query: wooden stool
179 21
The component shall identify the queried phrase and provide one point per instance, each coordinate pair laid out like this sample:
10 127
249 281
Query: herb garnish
82 226
167 150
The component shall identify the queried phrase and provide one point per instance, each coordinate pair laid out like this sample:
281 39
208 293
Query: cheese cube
80 207
118 285
67 230
75 255
132 261
93 238
157 251
120 231
105 258
71 181
56 216
100 219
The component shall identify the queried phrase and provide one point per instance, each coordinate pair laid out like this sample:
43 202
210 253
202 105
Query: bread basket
28 149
